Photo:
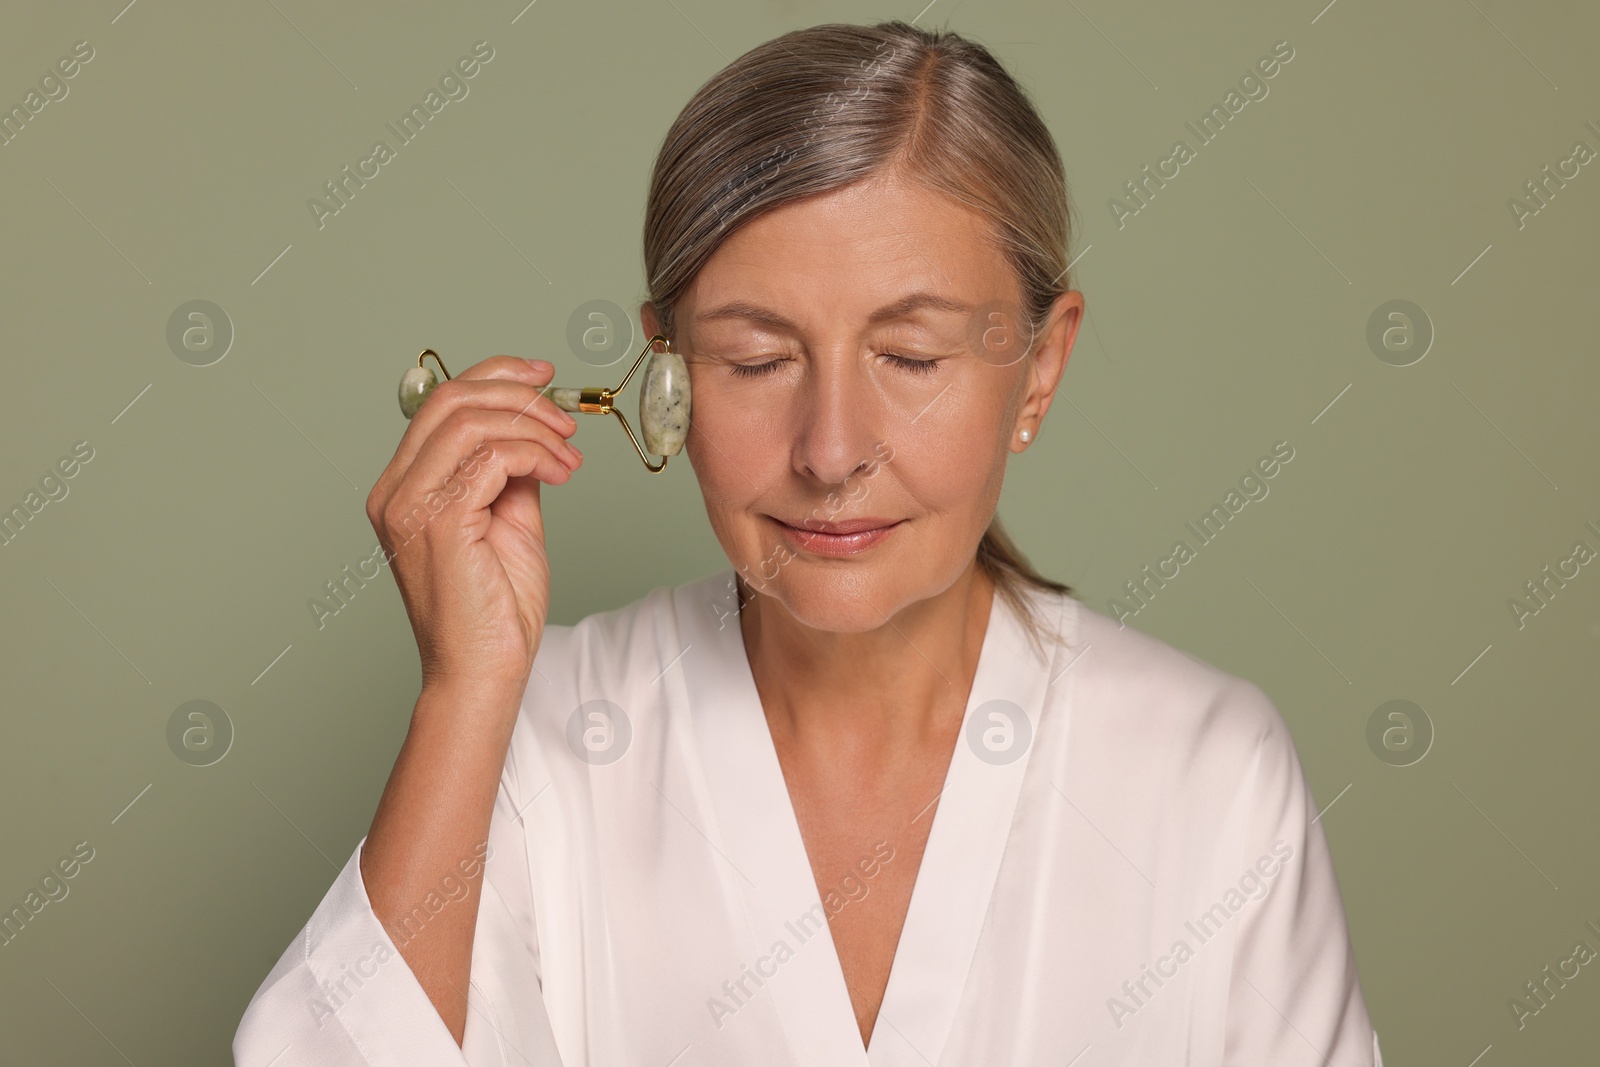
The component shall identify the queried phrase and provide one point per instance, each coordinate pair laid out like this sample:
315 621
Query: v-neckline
761 841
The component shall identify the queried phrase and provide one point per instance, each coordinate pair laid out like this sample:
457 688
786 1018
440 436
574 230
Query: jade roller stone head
663 399
664 404
415 385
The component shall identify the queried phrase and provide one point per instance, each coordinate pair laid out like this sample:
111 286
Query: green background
1227 315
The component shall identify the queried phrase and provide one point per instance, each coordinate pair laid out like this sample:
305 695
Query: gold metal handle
426 352
418 382
596 400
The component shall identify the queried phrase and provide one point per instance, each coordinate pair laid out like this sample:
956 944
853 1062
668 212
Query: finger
462 434
514 464
498 394
536 373
453 459
506 475
504 366
502 383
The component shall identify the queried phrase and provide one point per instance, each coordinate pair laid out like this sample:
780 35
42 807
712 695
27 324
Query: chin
852 596
832 603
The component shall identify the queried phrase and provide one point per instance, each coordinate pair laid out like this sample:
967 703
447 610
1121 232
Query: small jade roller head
417 382
663 398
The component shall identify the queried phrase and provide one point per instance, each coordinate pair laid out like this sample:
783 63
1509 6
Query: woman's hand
457 511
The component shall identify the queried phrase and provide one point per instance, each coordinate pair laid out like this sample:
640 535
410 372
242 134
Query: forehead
844 254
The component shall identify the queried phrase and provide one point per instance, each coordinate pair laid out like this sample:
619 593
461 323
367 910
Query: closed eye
754 370
915 366
906 363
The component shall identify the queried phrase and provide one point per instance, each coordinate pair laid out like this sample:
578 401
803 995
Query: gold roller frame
591 400
598 401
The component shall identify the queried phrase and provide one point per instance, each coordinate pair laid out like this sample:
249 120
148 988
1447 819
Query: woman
877 792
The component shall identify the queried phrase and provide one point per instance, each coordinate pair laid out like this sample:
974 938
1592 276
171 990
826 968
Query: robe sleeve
1294 996
343 996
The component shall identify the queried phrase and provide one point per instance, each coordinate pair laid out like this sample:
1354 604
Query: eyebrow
899 309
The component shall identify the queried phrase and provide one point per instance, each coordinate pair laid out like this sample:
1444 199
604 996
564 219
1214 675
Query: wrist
477 684
484 699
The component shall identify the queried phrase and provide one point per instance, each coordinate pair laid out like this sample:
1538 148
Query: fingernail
540 364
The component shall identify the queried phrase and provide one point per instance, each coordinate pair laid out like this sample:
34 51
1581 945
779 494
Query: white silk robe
1123 868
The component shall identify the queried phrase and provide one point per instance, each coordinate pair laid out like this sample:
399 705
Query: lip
847 538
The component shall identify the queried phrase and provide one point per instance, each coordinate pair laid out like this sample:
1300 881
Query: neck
880 689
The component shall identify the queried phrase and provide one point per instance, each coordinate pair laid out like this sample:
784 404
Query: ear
1049 363
652 322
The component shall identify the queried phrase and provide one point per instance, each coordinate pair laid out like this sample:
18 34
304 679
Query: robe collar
759 836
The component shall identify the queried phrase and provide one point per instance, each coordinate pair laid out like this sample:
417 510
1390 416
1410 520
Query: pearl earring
1025 434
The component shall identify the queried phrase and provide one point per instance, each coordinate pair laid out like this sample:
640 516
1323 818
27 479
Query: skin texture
863 664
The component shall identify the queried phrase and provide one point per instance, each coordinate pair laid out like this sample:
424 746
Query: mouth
847 538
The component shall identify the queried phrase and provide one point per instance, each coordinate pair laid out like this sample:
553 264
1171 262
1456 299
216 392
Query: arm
457 512
433 816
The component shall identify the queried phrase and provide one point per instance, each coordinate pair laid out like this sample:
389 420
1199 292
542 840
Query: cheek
739 453
952 458
735 443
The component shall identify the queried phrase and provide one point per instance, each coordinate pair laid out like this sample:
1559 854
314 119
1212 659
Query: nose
838 419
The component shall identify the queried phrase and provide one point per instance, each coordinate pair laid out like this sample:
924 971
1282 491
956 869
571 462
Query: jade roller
663 399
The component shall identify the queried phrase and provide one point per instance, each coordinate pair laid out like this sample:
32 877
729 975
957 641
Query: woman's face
854 362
